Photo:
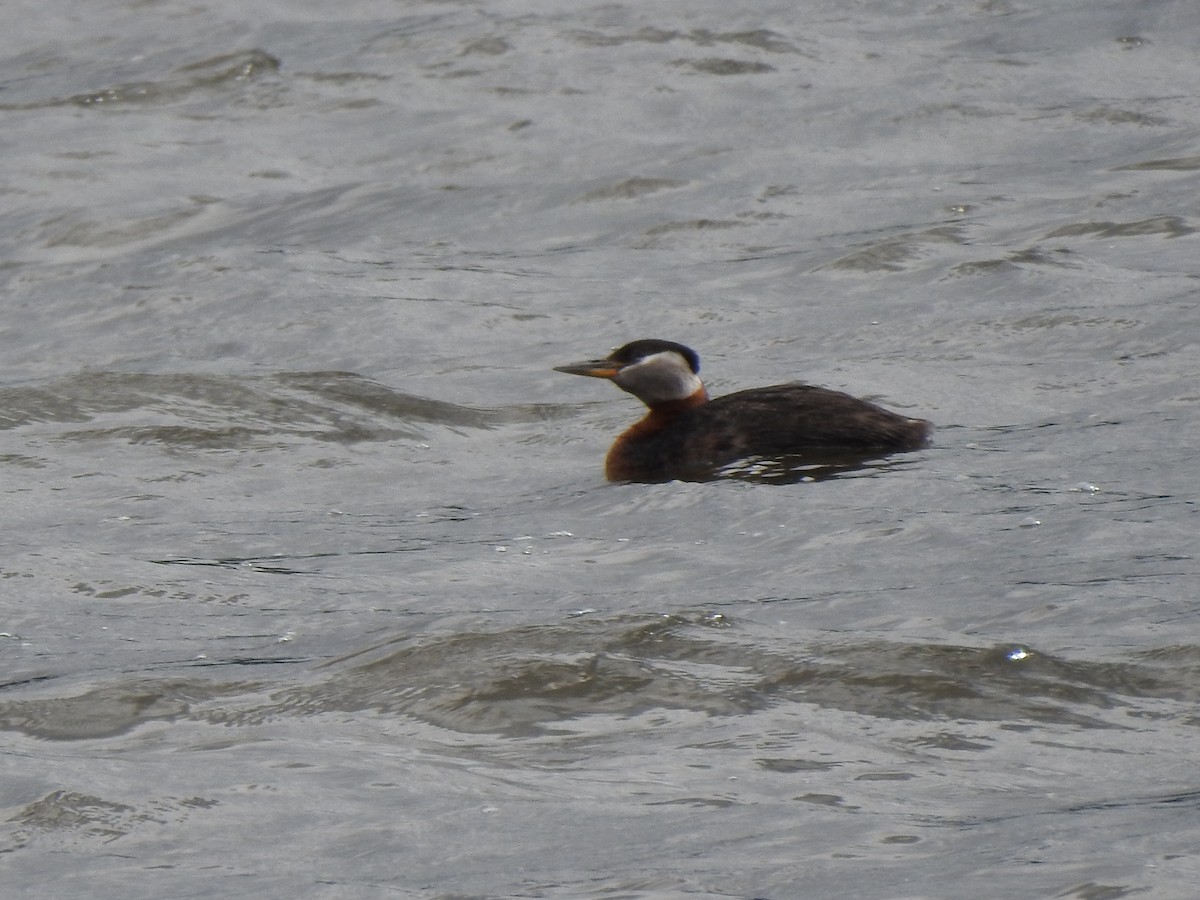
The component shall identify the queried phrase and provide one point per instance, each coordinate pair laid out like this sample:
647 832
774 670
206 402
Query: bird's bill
594 368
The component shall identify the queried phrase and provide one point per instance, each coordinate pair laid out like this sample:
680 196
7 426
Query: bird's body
687 435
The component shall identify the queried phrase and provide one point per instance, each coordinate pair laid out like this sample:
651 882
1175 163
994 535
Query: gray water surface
312 585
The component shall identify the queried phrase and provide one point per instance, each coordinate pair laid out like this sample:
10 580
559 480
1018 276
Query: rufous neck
663 413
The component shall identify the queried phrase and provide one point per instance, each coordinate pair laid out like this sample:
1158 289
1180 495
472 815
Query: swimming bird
686 435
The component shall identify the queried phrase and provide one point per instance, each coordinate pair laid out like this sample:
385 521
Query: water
312 583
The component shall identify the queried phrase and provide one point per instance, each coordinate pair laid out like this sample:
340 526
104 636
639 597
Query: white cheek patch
660 377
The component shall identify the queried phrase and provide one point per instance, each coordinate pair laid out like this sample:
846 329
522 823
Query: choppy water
312 585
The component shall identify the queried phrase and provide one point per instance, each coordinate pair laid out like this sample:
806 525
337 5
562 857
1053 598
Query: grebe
687 434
